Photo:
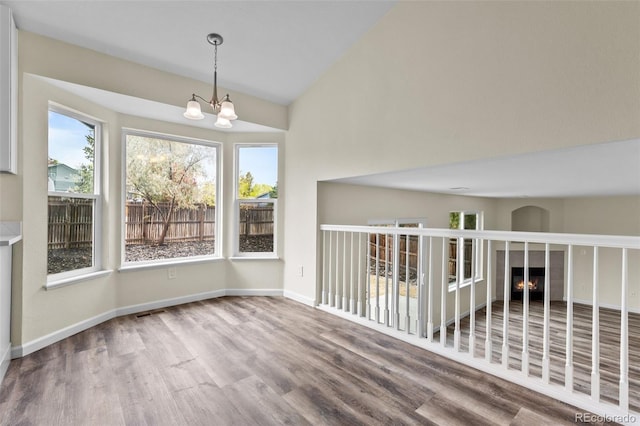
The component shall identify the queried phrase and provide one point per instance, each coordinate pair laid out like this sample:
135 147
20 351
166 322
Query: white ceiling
592 170
272 49
275 50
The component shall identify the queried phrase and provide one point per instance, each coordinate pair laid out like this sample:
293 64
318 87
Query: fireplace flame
533 285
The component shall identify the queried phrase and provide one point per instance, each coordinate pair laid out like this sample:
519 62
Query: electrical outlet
171 273
300 270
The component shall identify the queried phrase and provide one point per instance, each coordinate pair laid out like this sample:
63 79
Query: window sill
465 283
129 267
255 257
51 285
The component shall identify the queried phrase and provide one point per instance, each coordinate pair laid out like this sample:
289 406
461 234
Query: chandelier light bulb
193 111
222 123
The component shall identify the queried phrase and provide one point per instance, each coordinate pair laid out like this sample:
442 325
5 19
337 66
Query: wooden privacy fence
385 248
256 219
143 223
71 223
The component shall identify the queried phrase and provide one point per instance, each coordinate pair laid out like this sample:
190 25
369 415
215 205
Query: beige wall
432 83
441 82
38 312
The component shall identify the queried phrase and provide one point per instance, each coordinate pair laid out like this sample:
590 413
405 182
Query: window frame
218 242
237 254
63 278
479 252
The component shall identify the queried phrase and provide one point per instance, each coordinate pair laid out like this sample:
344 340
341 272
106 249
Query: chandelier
222 108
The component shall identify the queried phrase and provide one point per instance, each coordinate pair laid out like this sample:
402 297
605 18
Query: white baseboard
56 336
299 298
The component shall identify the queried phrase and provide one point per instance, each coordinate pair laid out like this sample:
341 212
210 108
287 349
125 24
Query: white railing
399 280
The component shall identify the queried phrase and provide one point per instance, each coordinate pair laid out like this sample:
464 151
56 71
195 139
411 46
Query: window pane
256 227
170 199
470 220
257 172
70 242
71 154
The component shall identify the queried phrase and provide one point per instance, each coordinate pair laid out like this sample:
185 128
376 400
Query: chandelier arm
194 96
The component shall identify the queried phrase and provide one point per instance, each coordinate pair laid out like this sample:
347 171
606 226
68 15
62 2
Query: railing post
352 305
360 295
624 336
595 333
525 313
459 279
395 281
430 291
324 268
377 278
488 345
367 279
345 282
546 358
472 301
505 315
407 284
568 368
338 286
330 298
386 280
443 294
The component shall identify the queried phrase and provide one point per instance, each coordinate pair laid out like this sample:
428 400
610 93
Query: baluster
377 278
386 279
430 291
568 368
595 333
352 295
472 301
324 268
395 283
507 296
330 274
546 359
624 337
338 295
345 282
525 313
488 345
443 295
367 278
459 278
359 297
406 282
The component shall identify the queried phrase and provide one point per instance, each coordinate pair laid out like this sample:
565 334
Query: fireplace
536 283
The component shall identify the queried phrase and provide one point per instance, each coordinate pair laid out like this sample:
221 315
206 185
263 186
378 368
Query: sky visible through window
67 138
262 162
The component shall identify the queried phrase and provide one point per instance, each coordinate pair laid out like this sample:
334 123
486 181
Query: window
171 206
471 247
74 194
256 196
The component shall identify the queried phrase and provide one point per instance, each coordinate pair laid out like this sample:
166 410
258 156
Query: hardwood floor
609 348
255 360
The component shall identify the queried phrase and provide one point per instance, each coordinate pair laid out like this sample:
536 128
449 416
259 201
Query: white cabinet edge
8 92
10 233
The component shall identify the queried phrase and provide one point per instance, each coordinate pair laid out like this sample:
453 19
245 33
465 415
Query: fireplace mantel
536 260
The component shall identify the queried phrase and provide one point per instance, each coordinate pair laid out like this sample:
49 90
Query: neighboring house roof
265 195
63 177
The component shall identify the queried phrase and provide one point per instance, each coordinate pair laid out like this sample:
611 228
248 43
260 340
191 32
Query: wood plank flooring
255 361
609 347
